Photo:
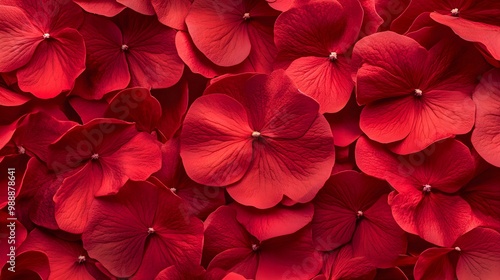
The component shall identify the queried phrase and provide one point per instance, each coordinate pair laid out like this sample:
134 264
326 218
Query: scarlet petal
468 30
107 68
399 112
29 265
19 39
479 255
435 264
423 214
208 20
62 57
107 8
274 222
75 196
172 13
267 171
485 136
223 123
317 77
143 7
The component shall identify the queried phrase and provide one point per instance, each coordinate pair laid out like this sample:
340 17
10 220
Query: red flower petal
29 265
479 254
274 222
172 13
61 56
485 135
221 121
20 39
435 264
143 7
107 8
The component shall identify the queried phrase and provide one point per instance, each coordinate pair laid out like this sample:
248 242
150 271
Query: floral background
250 139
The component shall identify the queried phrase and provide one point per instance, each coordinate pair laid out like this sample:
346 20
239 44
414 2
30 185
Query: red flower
417 99
234 249
313 41
132 50
229 32
67 259
40 42
101 156
262 137
426 201
141 231
486 135
472 20
475 255
352 208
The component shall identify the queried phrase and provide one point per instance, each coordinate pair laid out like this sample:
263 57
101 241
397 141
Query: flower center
81 259
359 214
151 230
94 156
455 12
418 92
174 190
255 247
332 56
255 134
427 188
21 150
458 249
246 16
124 47
46 36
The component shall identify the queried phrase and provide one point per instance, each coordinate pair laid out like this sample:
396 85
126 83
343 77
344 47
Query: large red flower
230 31
352 207
416 99
313 41
132 50
234 249
101 156
262 138
142 230
40 42
427 201
474 255
486 135
472 20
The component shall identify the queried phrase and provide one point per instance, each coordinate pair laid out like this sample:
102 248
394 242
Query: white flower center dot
174 190
458 249
94 156
81 259
427 188
46 36
455 12
255 134
21 150
255 247
418 92
151 230
333 56
359 214
246 16
124 47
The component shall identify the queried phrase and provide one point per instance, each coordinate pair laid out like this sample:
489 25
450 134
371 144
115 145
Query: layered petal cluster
142 230
417 99
98 158
231 247
41 43
427 186
313 42
473 20
263 139
352 208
